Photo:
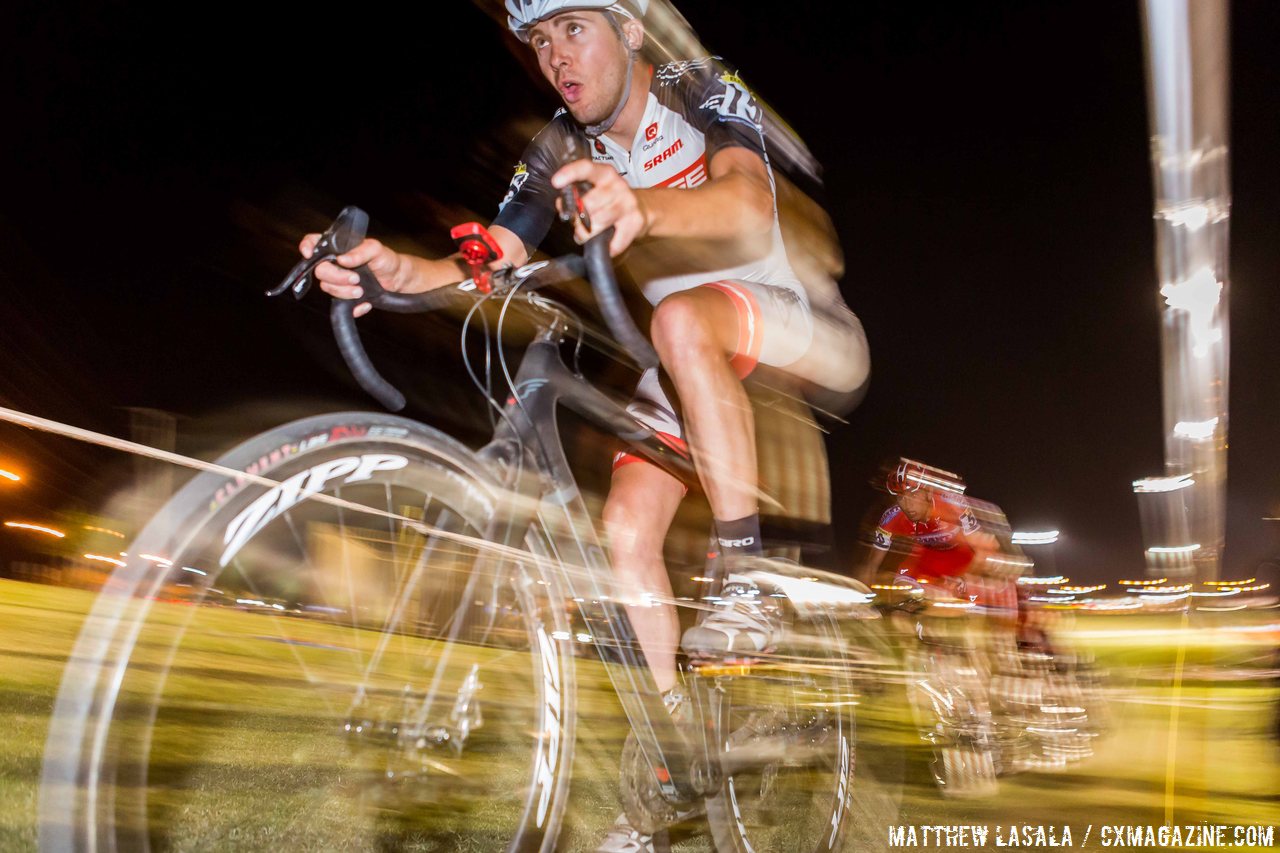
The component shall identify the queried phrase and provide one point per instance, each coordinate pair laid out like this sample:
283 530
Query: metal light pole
1187 72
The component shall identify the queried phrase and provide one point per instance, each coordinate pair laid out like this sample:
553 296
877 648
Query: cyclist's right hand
339 280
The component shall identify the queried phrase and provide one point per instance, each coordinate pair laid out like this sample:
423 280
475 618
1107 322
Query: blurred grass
278 778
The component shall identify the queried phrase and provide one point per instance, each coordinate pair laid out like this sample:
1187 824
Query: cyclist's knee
684 326
638 512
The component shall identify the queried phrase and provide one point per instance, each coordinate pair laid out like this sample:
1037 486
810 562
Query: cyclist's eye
539 43
573 29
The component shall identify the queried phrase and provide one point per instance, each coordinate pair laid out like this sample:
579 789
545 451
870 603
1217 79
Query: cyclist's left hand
609 203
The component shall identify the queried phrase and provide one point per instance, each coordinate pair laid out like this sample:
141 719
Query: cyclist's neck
624 128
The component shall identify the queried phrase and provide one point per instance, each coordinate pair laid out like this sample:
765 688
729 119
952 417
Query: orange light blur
115 533
36 527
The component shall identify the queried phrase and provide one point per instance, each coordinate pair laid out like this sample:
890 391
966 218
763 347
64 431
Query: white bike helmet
523 14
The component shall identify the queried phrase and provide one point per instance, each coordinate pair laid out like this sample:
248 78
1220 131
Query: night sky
986 167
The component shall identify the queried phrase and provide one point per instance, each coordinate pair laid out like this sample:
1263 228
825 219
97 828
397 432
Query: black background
986 166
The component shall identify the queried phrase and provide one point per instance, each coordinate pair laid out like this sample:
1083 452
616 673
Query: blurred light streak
1188 69
1115 604
1174 549
1192 216
1197 295
1150 485
194 571
158 560
24 525
1162 589
1002 561
1057 579
1230 583
1027 537
9 475
115 533
112 560
1196 430
1152 582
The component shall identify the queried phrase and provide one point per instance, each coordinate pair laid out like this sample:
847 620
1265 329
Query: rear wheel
337 659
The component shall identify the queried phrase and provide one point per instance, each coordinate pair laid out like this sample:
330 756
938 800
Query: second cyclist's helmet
523 14
906 477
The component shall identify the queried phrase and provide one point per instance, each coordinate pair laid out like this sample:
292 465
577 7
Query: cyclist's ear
633 35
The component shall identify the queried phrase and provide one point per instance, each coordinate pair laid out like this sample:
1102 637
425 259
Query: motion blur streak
1187 70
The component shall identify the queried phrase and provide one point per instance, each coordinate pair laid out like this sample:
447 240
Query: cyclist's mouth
570 90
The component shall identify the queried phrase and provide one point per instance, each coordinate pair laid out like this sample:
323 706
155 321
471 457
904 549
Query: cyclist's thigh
775 325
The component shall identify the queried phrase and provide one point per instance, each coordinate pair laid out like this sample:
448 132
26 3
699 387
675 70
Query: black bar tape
342 317
609 298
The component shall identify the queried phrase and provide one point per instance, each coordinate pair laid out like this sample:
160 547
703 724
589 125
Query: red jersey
938 545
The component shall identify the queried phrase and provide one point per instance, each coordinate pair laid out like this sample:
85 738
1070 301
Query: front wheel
326 652
788 738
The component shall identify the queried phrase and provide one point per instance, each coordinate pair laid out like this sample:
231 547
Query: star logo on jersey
517 181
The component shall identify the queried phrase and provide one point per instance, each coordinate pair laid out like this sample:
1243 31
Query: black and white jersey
694 109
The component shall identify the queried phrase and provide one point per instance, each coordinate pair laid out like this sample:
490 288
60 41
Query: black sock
740 537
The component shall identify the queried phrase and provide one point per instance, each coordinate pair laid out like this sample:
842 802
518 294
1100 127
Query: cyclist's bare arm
872 564
400 272
735 202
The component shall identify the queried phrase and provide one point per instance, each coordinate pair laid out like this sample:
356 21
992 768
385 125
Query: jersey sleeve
962 515
529 207
718 104
889 525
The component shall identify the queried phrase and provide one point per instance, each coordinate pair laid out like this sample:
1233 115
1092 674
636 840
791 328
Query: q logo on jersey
517 181
651 132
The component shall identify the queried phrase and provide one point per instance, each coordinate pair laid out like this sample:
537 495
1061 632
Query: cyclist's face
915 504
581 55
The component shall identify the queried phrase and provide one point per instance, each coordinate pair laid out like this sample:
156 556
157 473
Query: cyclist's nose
558 55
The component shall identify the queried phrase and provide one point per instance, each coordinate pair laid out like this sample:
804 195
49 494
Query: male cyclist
949 547
677 160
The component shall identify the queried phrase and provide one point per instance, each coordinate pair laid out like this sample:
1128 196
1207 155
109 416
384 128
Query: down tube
542 384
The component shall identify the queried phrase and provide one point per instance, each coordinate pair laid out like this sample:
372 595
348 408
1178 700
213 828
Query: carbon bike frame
529 461
527 452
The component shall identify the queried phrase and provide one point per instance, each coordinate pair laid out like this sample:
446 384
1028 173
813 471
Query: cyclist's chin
585 113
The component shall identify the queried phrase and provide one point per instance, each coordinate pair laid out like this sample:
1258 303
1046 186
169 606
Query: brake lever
343 234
